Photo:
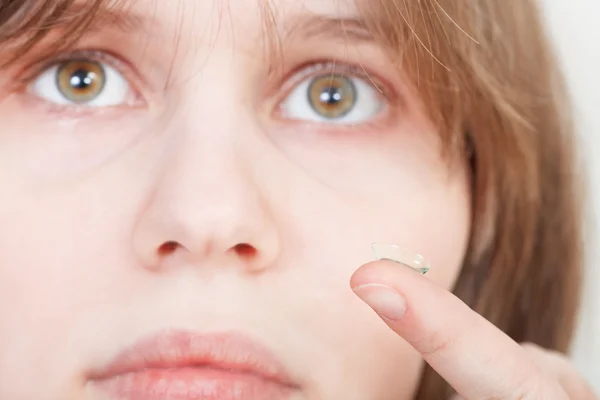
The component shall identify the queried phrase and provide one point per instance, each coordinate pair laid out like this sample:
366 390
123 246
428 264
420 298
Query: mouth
182 365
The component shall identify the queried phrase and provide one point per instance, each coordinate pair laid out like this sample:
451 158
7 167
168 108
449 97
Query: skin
476 358
209 199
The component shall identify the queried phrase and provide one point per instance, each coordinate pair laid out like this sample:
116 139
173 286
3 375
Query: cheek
60 265
50 255
388 186
421 206
38 146
428 212
68 212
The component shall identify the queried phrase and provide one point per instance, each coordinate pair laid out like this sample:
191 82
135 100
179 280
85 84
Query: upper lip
179 349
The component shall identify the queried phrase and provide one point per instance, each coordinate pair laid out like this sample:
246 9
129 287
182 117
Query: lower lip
192 383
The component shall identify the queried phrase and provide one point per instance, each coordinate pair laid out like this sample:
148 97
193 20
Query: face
175 186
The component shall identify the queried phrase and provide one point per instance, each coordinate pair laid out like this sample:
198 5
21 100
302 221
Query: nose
207 206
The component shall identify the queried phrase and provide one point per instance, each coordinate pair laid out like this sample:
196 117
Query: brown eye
80 81
85 83
334 99
332 96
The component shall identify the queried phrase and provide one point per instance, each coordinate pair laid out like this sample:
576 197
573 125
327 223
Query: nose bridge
207 156
208 175
211 91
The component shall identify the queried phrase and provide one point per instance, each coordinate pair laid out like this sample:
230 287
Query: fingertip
363 274
384 272
385 301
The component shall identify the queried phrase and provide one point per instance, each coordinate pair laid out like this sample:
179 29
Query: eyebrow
82 20
120 15
330 27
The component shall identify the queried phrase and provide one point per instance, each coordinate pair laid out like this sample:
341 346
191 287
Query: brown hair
486 72
488 78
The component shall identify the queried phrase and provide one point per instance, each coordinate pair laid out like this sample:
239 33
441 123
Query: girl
189 187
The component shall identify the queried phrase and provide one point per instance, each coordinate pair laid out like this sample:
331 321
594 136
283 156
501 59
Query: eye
82 82
333 98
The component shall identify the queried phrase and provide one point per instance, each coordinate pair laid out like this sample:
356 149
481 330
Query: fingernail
385 301
400 255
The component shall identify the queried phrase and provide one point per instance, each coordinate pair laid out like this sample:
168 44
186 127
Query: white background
575 27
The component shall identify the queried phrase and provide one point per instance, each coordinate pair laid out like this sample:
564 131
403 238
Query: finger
471 354
558 366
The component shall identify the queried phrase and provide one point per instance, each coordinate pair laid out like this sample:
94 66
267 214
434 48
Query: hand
477 359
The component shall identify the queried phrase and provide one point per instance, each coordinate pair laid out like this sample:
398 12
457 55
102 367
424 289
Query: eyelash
30 74
317 68
298 75
313 69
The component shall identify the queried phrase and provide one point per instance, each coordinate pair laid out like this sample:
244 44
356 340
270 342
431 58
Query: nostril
245 250
167 248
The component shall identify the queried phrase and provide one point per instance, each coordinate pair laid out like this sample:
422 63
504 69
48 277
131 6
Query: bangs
24 23
427 44
414 34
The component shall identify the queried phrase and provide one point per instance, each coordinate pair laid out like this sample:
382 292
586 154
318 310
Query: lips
181 365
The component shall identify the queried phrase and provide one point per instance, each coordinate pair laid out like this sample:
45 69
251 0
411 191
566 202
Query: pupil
331 95
82 79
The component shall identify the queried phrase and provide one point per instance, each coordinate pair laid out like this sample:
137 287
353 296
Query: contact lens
400 255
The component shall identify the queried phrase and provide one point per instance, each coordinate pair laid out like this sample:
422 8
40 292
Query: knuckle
435 344
527 388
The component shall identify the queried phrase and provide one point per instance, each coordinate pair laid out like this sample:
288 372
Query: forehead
202 15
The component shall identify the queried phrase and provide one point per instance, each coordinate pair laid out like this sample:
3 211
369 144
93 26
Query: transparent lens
402 256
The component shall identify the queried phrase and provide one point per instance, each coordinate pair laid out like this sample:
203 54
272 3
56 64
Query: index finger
471 354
